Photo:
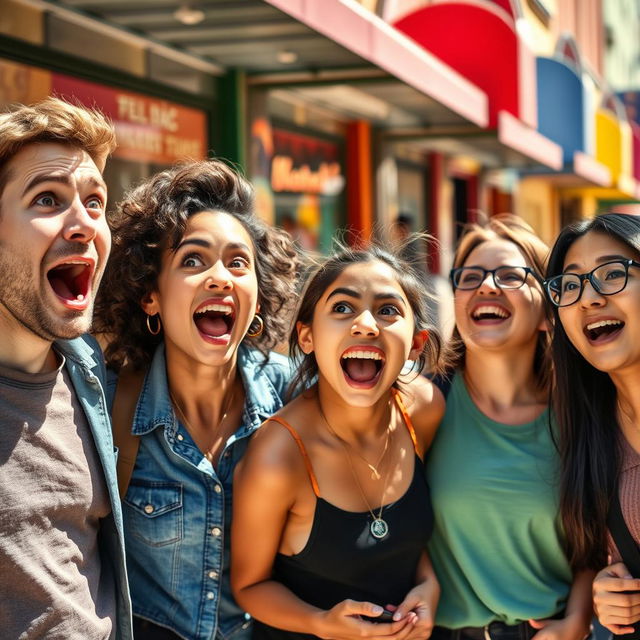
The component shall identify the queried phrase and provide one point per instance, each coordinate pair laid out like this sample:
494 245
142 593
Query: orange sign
147 129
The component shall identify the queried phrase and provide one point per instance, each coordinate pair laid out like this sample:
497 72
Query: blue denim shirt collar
79 351
154 407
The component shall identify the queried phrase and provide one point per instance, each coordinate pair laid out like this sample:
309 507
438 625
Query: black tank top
342 559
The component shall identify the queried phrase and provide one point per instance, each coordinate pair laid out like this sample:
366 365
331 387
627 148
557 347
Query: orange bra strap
407 419
303 451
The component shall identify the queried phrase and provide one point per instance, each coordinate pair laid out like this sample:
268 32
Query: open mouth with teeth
490 314
71 282
603 330
215 321
362 367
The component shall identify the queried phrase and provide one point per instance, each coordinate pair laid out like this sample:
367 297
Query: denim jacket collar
77 350
154 407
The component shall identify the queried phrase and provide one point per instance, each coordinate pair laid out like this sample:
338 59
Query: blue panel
560 105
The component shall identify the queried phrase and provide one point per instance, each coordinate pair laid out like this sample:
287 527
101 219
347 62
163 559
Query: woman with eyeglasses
594 285
497 547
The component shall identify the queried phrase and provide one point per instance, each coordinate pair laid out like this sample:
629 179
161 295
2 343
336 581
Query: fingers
538 624
617 570
407 605
618 630
616 584
353 607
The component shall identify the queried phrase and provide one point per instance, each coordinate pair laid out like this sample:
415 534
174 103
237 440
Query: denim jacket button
180 437
213 574
216 531
148 508
210 595
217 488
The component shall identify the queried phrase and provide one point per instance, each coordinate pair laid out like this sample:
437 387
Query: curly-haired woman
196 293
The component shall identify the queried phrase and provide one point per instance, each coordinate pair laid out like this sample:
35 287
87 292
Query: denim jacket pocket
153 512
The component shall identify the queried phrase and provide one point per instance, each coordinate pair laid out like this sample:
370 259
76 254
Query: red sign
302 164
147 129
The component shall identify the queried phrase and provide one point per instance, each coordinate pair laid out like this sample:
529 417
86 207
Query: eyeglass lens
606 279
504 277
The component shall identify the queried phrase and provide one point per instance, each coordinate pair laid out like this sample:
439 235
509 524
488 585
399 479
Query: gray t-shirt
52 496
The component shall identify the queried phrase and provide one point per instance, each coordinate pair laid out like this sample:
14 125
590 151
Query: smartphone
385 616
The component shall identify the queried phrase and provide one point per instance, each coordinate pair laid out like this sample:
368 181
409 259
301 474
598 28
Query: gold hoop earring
256 332
158 325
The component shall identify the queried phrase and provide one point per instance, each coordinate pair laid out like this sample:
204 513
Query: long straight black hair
585 407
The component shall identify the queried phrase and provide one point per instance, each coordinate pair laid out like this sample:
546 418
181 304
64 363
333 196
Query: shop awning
480 40
295 45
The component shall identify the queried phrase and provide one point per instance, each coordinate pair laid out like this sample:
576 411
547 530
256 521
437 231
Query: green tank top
497 542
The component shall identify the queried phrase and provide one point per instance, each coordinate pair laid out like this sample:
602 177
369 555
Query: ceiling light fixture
188 15
286 56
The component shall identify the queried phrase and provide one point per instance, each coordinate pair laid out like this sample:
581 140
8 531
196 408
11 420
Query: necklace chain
207 454
379 527
375 474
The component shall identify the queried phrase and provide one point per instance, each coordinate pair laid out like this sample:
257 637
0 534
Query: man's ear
305 338
150 304
417 345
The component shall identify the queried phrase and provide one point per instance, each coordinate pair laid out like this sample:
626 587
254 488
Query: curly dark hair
153 218
320 279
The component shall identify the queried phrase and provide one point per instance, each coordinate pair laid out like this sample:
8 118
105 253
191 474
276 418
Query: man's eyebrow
63 179
601 260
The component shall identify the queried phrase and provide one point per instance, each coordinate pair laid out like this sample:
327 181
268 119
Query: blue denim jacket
177 510
85 366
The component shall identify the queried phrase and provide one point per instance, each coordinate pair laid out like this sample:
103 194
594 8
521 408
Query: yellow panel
609 142
626 149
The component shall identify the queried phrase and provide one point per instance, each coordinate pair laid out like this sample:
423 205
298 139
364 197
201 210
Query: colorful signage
302 164
147 129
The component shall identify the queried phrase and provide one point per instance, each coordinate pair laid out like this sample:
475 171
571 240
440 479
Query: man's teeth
222 308
603 323
490 310
367 355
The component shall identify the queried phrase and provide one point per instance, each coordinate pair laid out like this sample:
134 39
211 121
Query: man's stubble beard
24 297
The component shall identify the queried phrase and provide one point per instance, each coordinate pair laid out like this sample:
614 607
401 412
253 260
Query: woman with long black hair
594 285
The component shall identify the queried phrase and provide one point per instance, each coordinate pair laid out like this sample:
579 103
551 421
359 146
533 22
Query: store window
299 179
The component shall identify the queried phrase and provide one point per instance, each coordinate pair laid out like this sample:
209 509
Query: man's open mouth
362 366
71 281
488 312
215 319
602 330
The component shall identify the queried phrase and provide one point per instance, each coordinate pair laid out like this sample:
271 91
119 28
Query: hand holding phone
385 616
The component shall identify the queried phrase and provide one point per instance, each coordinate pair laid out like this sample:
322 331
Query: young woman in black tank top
331 508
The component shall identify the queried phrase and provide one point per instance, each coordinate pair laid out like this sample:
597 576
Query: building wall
622 53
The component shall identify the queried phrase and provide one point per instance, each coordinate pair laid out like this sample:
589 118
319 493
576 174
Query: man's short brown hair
57 121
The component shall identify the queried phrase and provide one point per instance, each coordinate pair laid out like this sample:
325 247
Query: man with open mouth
61 545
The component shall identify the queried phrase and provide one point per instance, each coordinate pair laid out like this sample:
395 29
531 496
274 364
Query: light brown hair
57 121
505 226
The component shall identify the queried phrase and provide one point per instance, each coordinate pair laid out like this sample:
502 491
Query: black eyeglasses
468 278
607 279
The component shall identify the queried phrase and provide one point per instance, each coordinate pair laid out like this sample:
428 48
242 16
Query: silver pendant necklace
378 527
